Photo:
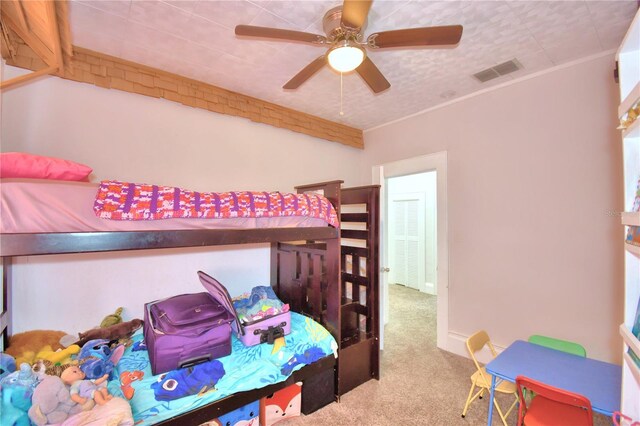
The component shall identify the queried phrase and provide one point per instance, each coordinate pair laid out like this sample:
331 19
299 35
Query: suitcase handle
190 362
272 333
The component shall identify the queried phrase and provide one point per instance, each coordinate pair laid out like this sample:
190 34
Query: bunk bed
334 283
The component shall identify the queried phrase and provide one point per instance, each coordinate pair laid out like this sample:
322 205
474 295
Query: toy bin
248 415
283 404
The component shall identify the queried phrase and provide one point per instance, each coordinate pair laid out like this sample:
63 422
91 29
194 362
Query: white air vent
498 71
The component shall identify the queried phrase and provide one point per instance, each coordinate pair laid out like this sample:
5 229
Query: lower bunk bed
308 270
245 385
214 387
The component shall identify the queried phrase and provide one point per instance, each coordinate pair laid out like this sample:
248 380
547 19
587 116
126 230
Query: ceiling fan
343 26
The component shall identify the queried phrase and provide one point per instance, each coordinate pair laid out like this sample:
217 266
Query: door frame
424 163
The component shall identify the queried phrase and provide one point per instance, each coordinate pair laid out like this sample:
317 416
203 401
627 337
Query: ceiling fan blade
354 13
306 73
428 36
372 76
279 34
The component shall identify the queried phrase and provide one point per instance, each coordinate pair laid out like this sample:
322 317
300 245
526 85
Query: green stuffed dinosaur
112 319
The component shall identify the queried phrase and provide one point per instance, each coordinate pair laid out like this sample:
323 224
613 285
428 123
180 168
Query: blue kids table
599 381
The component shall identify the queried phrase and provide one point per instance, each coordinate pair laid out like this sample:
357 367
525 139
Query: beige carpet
419 384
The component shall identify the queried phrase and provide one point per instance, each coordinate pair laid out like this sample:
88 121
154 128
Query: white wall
533 170
140 139
533 174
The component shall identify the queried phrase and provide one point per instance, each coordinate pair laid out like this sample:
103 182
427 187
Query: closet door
408 240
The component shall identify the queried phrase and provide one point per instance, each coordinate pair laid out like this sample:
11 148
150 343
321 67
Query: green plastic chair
559 345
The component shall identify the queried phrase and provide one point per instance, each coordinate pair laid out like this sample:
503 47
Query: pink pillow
23 165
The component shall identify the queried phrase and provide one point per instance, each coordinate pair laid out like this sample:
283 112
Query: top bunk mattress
44 206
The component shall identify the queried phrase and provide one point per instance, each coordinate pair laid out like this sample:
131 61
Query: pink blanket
129 201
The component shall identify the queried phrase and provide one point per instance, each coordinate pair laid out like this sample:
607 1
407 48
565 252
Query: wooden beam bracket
27 77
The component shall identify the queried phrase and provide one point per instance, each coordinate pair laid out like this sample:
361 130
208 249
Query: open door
380 173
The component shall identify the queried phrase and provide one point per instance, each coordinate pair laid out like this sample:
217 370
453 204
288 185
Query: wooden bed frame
308 271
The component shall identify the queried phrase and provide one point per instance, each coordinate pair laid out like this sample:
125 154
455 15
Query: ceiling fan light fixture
345 56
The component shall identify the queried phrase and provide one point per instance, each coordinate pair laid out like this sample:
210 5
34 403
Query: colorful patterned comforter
129 201
156 398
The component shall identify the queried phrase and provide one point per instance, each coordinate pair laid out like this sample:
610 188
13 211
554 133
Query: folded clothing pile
260 303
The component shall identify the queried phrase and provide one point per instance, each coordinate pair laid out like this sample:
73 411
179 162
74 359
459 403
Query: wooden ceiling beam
44 26
52 23
64 29
38 46
18 12
7 47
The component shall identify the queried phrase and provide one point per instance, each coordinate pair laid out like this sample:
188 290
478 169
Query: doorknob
384 269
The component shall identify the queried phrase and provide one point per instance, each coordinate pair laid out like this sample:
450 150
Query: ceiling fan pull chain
341 111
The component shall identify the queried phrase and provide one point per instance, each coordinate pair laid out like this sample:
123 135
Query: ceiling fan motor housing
331 24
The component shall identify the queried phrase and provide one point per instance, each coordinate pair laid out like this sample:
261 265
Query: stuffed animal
24 378
113 332
17 390
63 356
42 367
31 342
12 416
52 401
112 319
97 359
7 364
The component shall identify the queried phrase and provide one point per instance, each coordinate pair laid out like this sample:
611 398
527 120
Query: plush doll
97 359
24 346
62 356
112 319
52 401
23 379
42 367
17 389
82 390
7 364
113 332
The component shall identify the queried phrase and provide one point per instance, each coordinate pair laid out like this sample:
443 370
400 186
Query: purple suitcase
185 330
250 333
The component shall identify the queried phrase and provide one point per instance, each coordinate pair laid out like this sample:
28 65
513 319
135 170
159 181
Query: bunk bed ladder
359 359
335 282
306 274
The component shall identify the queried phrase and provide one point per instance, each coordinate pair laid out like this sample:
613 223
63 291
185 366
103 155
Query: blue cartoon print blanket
156 398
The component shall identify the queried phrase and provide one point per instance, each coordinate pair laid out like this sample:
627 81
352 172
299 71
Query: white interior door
407 220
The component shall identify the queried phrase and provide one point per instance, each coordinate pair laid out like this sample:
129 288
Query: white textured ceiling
196 39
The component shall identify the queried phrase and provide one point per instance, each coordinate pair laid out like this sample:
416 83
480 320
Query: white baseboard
430 288
456 344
